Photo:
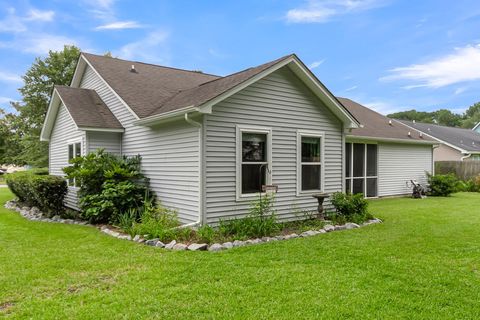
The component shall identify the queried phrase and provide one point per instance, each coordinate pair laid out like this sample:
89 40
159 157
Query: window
309 162
254 158
361 169
74 150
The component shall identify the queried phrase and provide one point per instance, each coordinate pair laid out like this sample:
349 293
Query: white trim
376 139
313 134
365 167
101 129
476 126
113 91
155 119
73 142
238 144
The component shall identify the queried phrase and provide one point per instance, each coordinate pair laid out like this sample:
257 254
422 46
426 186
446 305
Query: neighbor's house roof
463 140
374 126
86 109
154 92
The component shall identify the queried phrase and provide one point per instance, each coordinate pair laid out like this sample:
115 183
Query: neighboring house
457 144
208 143
383 155
477 128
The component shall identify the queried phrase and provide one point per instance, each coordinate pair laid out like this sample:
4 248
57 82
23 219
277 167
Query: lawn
423 262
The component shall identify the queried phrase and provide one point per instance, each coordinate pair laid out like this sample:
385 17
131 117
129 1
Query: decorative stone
340 227
238 243
351 225
228 245
180 247
160 244
280 238
198 247
308 233
257 241
291 236
216 247
248 242
328 228
170 245
151 242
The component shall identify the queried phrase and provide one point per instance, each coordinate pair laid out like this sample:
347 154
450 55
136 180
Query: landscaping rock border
35 214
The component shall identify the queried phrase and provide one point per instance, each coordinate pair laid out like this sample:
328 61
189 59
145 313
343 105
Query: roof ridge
153 65
436 125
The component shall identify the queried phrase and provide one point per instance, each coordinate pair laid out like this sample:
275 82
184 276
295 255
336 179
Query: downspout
200 174
465 157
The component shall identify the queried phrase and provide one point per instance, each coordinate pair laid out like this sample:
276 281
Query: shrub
157 222
37 188
472 185
260 222
206 233
442 185
349 207
109 185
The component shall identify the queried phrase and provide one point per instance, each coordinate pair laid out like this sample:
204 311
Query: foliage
20 131
109 185
37 188
441 185
471 185
260 222
349 207
157 222
206 233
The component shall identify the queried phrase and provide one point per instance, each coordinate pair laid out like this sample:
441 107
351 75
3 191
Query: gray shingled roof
87 108
464 139
153 90
376 125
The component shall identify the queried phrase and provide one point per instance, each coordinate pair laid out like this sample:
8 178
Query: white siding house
209 144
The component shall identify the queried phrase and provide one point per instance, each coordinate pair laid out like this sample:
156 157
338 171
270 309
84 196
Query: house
208 143
383 155
456 144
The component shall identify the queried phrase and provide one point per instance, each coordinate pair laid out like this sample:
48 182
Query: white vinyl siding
284 104
63 133
398 163
111 142
170 153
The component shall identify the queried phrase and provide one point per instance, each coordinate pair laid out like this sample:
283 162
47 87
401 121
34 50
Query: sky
390 55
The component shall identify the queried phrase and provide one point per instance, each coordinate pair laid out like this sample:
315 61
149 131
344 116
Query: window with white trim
74 150
254 160
309 162
361 170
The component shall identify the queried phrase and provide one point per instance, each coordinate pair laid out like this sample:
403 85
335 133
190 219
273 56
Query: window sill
250 196
308 193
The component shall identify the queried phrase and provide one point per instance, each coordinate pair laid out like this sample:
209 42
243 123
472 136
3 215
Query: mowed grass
423 262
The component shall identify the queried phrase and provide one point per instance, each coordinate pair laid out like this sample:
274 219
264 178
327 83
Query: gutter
465 157
353 138
201 213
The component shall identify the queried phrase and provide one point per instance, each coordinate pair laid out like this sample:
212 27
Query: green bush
260 222
472 185
109 185
349 207
37 188
442 185
157 222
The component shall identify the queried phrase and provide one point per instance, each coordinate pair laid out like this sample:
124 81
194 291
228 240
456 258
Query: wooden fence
464 170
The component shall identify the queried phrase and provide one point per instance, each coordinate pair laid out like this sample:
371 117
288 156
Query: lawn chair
418 191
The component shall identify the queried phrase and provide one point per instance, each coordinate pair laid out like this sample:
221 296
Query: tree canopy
20 131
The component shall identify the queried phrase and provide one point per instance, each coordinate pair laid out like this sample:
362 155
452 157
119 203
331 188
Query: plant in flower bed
109 185
442 185
349 208
471 185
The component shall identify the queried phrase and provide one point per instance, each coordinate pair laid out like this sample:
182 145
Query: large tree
442 117
472 116
24 126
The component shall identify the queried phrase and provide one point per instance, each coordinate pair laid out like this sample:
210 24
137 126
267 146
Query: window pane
311 177
310 149
254 147
348 184
371 159
358 159
78 149
371 187
252 179
358 185
348 159
70 152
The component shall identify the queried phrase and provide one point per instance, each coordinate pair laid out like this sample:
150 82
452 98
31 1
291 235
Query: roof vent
132 69
421 134
390 122
414 121
409 134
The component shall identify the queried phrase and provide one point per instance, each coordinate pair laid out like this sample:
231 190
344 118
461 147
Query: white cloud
151 48
461 66
460 90
350 89
315 64
119 25
383 107
319 11
39 44
39 15
9 77
6 100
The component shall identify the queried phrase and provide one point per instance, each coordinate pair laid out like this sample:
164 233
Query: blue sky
390 55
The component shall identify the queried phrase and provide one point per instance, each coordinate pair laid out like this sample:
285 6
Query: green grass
423 262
